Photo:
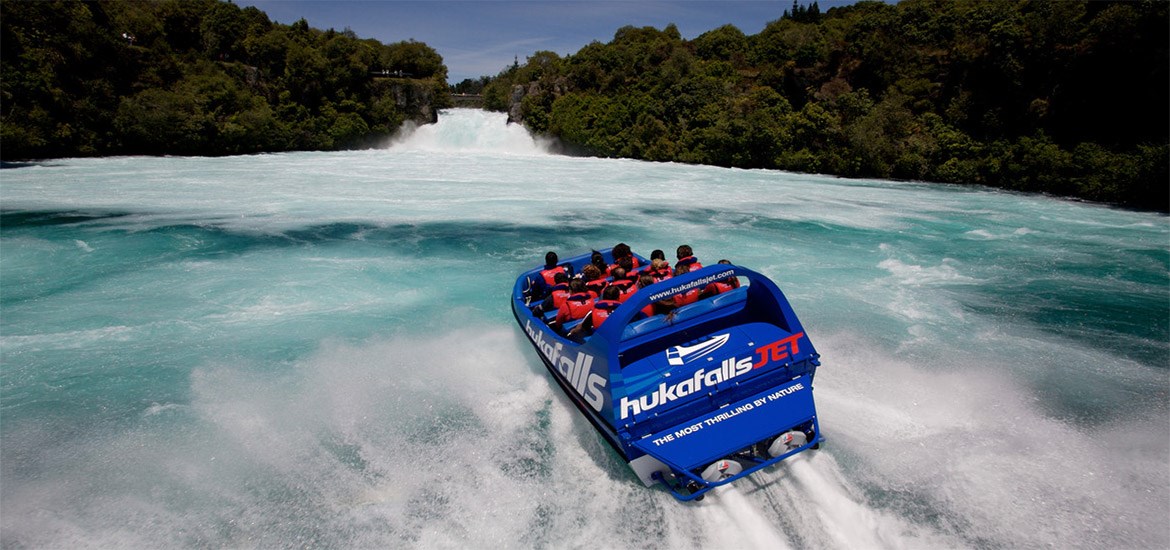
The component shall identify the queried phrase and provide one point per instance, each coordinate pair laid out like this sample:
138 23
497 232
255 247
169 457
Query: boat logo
681 355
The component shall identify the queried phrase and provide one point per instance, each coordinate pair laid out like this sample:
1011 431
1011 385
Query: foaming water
469 131
315 349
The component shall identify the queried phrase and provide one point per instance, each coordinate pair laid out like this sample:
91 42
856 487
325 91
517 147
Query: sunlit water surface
315 349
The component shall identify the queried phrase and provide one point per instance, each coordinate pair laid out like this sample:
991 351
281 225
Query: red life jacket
559 293
688 297
595 287
691 261
549 275
719 287
602 309
628 293
634 264
660 274
575 307
622 284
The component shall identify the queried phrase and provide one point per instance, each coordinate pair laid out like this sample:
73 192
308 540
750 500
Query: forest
1067 97
198 77
1063 97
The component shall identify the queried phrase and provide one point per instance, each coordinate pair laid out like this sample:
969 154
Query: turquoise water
315 349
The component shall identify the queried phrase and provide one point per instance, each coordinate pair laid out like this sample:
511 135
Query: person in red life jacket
577 304
620 251
605 306
686 257
540 285
720 286
627 264
620 281
643 282
594 280
556 295
599 261
659 269
601 311
689 297
551 268
659 255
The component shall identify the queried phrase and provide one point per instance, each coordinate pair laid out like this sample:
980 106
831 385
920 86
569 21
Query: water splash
469 131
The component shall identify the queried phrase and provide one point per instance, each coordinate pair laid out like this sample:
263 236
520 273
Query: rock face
546 93
415 99
515 112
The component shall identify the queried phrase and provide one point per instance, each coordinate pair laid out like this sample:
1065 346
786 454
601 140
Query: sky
482 37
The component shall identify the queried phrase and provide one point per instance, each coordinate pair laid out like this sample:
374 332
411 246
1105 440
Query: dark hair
681 270
726 262
645 281
621 250
598 260
684 250
627 263
611 293
591 272
618 272
576 285
561 277
658 254
551 259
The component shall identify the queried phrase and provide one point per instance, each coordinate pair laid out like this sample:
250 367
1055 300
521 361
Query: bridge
467 100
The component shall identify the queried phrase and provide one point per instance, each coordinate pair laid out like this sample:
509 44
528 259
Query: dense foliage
1065 97
197 77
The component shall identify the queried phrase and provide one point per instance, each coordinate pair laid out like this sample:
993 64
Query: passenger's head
560 277
611 293
684 251
598 260
658 254
657 263
725 262
682 270
590 272
618 273
551 259
645 281
627 263
576 286
621 250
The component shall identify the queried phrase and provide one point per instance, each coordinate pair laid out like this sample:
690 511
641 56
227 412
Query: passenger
659 269
577 304
720 286
622 250
643 282
689 297
539 287
626 262
601 311
556 295
620 280
594 280
687 257
598 260
551 268
605 306
659 255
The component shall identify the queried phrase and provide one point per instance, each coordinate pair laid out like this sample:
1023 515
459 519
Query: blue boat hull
713 392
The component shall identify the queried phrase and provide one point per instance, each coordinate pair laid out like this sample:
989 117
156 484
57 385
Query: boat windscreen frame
760 290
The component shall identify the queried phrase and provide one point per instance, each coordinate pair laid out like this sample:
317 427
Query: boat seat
689 311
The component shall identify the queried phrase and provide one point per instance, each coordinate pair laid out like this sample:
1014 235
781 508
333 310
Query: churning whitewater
315 349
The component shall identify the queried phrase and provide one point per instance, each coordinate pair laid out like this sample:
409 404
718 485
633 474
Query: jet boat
695 399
